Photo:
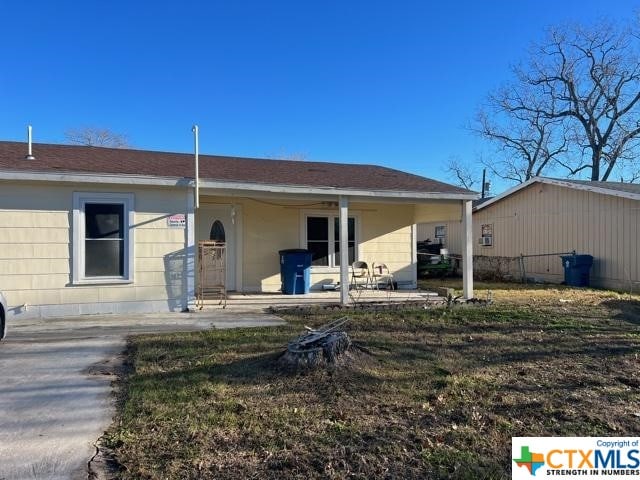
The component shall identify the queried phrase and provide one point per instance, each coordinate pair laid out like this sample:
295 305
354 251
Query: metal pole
522 257
189 268
467 250
343 203
573 252
484 176
196 146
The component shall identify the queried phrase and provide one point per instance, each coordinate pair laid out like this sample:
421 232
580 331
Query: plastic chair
380 273
360 275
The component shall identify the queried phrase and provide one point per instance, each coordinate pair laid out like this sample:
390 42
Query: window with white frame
102 237
323 240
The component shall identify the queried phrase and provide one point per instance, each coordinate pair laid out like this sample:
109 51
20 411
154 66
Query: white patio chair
380 274
360 276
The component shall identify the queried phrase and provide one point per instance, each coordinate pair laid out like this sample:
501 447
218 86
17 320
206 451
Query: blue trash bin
576 270
295 271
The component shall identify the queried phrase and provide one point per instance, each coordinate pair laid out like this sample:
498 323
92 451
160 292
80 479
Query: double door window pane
351 237
318 240
325 249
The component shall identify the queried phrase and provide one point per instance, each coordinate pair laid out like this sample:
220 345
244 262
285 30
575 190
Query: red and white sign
176 221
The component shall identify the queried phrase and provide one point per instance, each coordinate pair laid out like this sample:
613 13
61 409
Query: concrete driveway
55 385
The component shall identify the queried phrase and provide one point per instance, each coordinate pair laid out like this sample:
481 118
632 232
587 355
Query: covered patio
370 226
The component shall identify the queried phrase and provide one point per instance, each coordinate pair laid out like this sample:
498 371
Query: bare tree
464 175
587 82
527 143
96 137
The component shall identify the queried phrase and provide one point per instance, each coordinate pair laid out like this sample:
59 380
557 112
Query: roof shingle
98 160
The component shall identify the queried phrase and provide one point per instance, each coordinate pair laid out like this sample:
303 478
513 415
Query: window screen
104 239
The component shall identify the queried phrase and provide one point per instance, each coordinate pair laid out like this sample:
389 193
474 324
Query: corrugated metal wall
453 239
546 218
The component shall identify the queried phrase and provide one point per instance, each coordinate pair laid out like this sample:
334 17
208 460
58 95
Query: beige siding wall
547 219
441 211
36 246
266 230
386 237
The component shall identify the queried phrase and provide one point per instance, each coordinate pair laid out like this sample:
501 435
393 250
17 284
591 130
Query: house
101 230
545 217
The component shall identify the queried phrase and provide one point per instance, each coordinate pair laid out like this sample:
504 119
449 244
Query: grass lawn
440 396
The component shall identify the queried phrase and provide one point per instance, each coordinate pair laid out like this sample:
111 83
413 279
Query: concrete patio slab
259 301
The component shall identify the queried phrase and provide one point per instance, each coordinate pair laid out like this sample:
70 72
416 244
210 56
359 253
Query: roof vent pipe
29 155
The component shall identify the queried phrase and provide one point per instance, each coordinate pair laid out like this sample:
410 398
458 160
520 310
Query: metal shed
545 215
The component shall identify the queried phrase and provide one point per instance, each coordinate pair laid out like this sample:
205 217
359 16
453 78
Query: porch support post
189 269
344 249
467 250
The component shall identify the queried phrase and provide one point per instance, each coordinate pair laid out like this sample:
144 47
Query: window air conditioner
485 241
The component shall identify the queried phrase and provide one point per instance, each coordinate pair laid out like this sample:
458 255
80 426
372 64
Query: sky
387 83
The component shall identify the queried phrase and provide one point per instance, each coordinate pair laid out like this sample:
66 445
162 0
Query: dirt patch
103 465
114 367
627 310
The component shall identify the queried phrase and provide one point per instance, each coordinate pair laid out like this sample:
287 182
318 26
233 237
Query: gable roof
616 189
612 186
73 159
